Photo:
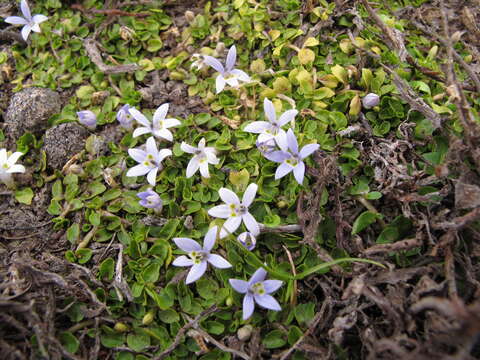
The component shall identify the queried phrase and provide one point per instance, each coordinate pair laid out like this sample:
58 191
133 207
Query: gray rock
29 110
62 142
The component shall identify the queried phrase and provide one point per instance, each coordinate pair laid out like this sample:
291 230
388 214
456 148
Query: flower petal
16 20
269 110
161 112
16 169
308 150
26 31
220 83
196 272
228 196
187 244
277 156
299 172
171 122
249 194
164 134
248 306
241 75
268 302
231 58
192 166
39 18
25 10
251 223
232 81
272 285
281 140
138 170
214 63
36 27
182 261
162 154
282 170
209 239
238 285
292 141
140 131
220 211
187 148
257 276
137 154
139 117
152 176
3 156
14 158
257 127
230 226
151 146
218 261
204 169
287 117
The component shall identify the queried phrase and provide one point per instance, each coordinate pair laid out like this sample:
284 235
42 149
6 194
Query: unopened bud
370 100
244 332
220 48
148 318
189 16
120 327
355 106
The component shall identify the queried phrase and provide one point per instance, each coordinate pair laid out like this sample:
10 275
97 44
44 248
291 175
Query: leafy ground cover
372 254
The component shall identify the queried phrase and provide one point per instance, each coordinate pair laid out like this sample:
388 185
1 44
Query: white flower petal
214 63
268 302
238 285
196 272
3 156
231 225
26 31
151 146
187 244
218 261
139 117
241 75
220 211
152 176
232 81
16 169
231 58
164 134
192 166
257 127
39 18
258 275
161 112
187 148
220 83
251 223
14 158
36 28
16 20
282 170
168 123
204 169
25 10
209 239
269 110
287 117
138 170
228 196
272 285
299 172
281 140
162 154
137 154
248 306
140 131
308 150
249 194
182 261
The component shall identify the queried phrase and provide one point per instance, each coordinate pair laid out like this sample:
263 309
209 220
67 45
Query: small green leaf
73 232
363 220
69 342
274 339
24 196
169 316
138 342
83 255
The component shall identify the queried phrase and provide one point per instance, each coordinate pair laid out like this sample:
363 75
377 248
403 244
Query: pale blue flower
370 100
124 117
198 256
248 240
228 75
87 118
159 125
30 23
236 211
257 290
8 166
291 159
150 199
203 155
149 162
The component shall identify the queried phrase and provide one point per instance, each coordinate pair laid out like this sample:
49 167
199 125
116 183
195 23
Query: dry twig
91 47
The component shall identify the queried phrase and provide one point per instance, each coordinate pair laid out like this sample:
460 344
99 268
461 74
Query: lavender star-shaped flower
290 158
228 75
159 125
124 117
151 200
235 211
273 127
202 157
257 290
30 23
247 240
150 161
199 256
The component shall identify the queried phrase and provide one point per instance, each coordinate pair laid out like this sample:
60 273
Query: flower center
293 160
196 256
5 166
258 288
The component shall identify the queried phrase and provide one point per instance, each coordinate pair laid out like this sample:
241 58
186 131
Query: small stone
29 111
62 142
244 332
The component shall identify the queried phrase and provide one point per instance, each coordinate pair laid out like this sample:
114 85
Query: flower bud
189 16
124 117
244 332
220 48
247 240
148 318
120 327
87 118
370 100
